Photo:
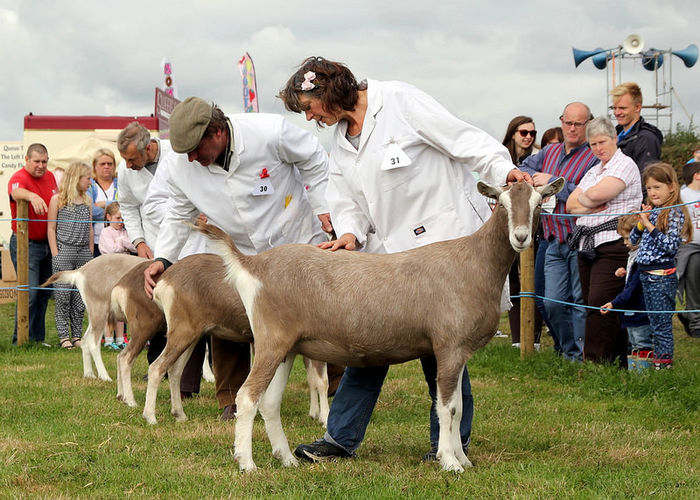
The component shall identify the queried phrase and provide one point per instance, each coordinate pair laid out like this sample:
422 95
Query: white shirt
689 195
625 169
296 166
133 186
410 183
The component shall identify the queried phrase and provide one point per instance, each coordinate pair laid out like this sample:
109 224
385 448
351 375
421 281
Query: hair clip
307 83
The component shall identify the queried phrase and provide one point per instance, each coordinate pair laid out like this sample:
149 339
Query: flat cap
188 121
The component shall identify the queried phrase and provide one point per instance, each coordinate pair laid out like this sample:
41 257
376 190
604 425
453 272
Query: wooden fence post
527 301
22 272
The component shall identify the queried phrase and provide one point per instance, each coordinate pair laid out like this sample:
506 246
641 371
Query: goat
95 281
441 299
193 300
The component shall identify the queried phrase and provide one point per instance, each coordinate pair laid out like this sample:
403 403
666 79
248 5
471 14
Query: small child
71 242
114 239
659 235
632 297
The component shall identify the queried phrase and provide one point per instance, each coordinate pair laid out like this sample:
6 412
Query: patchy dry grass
543 428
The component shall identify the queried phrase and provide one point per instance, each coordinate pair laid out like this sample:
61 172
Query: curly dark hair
334 85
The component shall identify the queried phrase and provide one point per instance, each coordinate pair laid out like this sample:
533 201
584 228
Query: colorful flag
250 86
168 84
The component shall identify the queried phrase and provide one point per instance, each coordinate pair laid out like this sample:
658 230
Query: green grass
543 428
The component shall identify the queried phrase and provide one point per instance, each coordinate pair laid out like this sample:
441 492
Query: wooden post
527 302
22 272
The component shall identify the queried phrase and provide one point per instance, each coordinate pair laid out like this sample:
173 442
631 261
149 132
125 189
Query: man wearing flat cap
256 176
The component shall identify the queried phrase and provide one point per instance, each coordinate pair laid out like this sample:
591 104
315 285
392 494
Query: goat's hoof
151 420
120 397
89 375
290 462
131 404
451 465
106 378
180 417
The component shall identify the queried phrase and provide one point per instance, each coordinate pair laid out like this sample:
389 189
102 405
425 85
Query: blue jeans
357 395
540 290
562 283
640 337
39 271
660 295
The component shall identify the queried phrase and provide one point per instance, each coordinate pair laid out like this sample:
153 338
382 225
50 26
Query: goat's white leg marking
85 347
243 442
317 379
155 375
449 417
207 374
174 378
269 408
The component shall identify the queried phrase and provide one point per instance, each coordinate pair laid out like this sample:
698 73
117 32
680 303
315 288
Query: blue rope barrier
583 306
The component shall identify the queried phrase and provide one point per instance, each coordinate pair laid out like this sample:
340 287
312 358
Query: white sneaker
517 344
501 335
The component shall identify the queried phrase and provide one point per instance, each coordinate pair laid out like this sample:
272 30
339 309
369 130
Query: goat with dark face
396 310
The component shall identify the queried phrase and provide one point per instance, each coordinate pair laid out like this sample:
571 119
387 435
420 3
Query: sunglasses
524 133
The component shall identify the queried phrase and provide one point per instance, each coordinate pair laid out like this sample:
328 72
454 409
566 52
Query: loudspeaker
633 44
582 55
652 59
688 55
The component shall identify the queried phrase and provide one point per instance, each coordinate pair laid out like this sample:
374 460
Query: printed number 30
263 189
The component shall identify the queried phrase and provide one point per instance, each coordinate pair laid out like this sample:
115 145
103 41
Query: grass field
543 428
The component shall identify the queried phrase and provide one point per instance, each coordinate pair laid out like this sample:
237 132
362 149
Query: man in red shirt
35 184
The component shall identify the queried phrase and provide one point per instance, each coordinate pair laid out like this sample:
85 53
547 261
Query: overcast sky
484 61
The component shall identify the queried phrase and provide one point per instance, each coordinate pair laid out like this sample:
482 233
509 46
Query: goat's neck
493 242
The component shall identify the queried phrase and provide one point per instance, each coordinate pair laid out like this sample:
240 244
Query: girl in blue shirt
659 235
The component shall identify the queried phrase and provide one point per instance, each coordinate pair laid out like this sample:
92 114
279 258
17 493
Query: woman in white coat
401 176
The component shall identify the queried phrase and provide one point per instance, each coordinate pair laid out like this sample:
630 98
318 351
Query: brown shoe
229 413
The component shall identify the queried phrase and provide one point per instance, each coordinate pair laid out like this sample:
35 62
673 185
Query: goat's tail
63 277
223 245
222 242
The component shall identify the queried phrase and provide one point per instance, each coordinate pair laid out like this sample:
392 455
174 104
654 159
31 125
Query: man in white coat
142 155
256 176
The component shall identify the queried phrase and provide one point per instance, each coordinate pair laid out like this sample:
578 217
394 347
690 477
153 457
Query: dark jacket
642 143
632 298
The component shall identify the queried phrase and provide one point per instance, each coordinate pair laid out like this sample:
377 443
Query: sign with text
165 104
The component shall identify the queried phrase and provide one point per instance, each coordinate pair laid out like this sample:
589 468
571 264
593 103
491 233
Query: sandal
76 342
66 344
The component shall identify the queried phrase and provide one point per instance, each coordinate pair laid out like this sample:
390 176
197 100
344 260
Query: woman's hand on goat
346 241
151 275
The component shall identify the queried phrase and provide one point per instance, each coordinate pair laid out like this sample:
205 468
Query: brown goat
198 302
360 309
95 281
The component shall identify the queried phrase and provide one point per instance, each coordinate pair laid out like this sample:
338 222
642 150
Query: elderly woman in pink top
610 188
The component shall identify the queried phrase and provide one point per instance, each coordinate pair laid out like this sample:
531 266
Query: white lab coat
297 168
133 187
155 206
410 182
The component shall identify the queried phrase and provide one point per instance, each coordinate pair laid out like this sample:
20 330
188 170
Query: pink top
115 241
624 168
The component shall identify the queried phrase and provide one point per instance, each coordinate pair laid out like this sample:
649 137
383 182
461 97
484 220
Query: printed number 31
394 160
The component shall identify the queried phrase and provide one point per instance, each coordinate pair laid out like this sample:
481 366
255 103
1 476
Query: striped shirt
554 160
625 169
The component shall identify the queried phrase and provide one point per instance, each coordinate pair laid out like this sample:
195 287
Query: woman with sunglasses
520 143
520 138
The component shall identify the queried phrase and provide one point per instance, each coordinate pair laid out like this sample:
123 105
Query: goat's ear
488 190
552 188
